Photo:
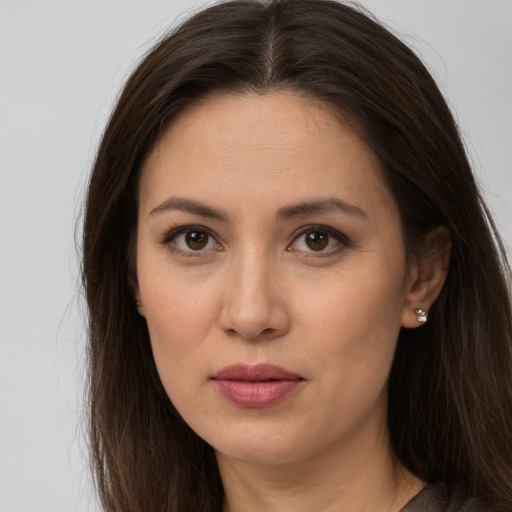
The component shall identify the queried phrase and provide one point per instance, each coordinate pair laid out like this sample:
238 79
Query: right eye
190 239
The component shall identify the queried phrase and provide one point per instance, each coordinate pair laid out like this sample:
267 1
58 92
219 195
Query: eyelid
171 234
344 240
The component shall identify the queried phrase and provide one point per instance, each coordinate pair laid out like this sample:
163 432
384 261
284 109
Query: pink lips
260 385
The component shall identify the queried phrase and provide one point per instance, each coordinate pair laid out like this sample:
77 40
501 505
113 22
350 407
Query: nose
253 305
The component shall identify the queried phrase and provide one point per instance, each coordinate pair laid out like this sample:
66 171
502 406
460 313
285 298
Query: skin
257 292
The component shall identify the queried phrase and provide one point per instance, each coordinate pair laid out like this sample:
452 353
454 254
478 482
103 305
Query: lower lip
256 393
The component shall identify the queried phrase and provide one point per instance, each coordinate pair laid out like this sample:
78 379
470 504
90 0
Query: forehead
280 145
276 120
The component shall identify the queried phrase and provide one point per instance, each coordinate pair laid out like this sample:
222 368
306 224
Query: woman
297 298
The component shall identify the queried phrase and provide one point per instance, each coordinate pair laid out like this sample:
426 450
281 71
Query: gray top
435 498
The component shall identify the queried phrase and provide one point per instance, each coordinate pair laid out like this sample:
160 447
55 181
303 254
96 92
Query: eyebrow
189 206
286 212
321 206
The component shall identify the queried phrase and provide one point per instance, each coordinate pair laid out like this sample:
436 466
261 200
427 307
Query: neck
347 478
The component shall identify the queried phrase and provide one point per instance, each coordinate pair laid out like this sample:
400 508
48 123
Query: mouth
256 386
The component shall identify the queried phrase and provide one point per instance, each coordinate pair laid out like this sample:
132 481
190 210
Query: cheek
366 297
179 318
180 312
354 327
179 324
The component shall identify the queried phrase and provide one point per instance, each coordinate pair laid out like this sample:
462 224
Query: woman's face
271 272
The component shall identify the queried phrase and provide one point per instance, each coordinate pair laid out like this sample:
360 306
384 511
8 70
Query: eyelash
171 235
342 239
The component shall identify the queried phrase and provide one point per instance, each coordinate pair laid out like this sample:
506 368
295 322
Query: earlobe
140 309
138 304
427 277
134 284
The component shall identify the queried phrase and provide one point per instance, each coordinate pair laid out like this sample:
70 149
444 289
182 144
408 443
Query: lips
254 386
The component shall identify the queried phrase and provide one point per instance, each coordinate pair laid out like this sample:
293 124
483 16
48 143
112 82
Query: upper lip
256 372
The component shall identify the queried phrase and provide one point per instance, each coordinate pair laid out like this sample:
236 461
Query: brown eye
196 240
190 240
316 240
322 240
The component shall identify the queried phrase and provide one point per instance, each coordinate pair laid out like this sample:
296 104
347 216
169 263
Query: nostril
268 332
253 314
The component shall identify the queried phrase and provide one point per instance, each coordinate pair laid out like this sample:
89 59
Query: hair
450 391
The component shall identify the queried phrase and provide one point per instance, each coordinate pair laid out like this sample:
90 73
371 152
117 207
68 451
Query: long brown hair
450 404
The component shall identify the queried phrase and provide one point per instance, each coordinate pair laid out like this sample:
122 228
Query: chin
258 455
259 447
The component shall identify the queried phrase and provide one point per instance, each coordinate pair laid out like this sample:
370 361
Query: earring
139 312
422 315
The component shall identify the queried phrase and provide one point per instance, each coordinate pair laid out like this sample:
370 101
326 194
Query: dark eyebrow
320 206
286 212
189 206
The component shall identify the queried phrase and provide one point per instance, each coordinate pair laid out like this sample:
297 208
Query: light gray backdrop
61 65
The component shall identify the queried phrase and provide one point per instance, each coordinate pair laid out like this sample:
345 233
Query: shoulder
436 498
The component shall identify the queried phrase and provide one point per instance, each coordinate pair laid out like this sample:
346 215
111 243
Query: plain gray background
62 64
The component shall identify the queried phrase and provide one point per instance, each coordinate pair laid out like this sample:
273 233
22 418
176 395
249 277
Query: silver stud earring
422 315
139 312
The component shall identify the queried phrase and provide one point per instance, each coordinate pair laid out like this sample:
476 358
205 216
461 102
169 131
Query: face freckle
227 276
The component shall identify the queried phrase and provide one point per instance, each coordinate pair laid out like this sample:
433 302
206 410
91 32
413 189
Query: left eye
317 240
192 240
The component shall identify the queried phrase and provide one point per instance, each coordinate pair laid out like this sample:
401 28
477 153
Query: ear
138 299
427 275
139 304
